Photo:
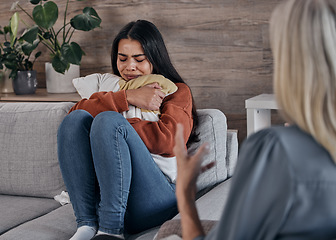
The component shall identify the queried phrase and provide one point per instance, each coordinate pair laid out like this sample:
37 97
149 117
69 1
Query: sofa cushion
211 205
59 224
16 210
28 148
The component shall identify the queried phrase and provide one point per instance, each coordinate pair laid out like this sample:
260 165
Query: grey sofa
30 176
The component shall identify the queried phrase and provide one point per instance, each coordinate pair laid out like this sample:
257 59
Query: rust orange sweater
158 136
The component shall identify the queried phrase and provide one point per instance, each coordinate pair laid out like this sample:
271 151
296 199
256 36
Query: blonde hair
303 41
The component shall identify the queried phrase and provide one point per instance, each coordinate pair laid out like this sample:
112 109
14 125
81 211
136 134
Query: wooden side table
258 111
41 95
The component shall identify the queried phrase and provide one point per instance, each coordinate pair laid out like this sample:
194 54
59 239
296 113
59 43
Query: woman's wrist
186 191
185 199
129 96
191 225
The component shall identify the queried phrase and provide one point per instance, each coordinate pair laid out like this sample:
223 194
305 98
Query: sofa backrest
28 148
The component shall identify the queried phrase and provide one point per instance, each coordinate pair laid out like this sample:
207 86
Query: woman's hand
147 97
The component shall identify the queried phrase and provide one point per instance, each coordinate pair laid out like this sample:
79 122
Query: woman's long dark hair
150 38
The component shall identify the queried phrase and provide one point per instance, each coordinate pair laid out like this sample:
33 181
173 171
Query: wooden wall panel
220 47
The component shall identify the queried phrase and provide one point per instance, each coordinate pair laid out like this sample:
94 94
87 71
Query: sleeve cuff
120 97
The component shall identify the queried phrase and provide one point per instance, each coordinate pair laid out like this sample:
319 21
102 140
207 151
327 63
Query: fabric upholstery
173 227
16 210
216 198
56 225
28 148
209 207
213 130
231 151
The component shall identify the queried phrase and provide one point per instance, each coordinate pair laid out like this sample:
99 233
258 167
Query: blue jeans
113 182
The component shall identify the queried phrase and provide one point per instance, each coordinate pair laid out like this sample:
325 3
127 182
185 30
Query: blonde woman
284 186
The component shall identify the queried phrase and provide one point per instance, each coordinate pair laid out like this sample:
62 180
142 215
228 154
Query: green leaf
14 24
38 54
72 53
47 35
10 65
7 29
11 57
60 65
31 35
13 74
35 2
28 48
28 65
45 16
7 44
86 21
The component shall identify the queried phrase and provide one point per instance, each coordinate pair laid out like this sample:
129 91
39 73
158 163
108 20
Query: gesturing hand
188 167
147 97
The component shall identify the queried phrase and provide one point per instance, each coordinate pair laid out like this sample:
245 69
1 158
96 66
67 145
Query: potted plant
15 55
63 52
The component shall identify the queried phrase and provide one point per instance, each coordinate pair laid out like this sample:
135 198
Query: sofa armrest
212 129
231 151
28 148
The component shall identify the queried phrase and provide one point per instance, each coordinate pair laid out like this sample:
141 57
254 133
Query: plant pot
25 82
6 85
58 82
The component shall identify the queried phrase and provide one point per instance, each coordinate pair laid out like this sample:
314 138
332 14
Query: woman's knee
75 121
106 124
108 120
109 115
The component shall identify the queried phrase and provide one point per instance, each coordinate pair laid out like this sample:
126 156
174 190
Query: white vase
58 82
6 85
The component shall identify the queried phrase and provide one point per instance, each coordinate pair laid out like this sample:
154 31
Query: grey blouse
284 187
